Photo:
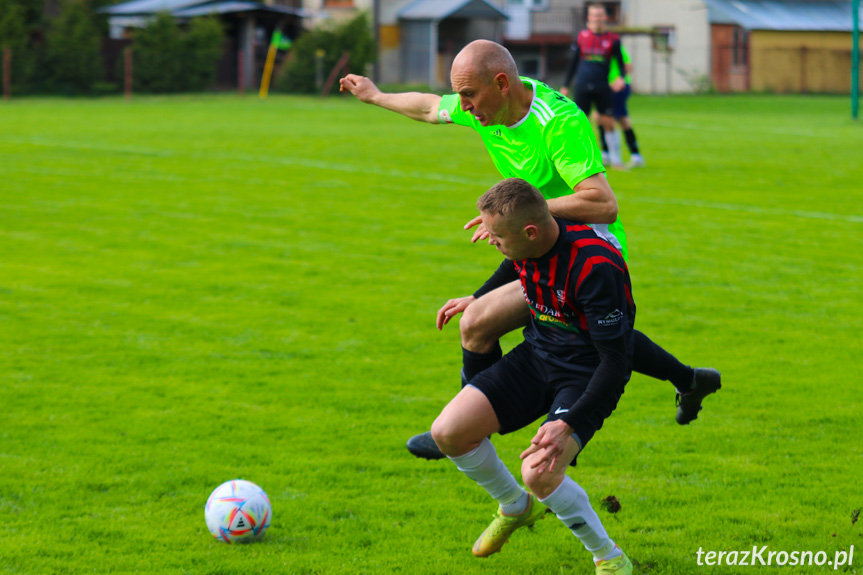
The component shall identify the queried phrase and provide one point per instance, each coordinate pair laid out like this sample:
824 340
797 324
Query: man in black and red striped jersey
571 368
592 52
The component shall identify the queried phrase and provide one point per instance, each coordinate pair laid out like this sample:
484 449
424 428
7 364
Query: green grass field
195 289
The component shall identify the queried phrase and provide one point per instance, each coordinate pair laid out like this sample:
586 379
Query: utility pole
376 23
855 58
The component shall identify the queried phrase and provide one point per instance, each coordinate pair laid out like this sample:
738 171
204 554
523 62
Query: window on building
664 38
529 67
738 47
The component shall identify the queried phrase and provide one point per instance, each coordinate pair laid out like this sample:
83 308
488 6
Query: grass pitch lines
87 145
268 314
760 210
244 159
771 133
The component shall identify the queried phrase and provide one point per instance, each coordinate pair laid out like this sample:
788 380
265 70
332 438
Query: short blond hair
515 200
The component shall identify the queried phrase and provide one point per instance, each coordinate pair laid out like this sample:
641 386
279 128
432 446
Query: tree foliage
302 71
16 25
168 59
203 49
73 58
157 49
13 26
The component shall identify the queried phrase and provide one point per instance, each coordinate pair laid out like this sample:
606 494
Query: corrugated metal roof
230 7
441 9
191 7
136 7
810 15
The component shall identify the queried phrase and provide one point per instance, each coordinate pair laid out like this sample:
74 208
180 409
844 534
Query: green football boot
496 534
617 566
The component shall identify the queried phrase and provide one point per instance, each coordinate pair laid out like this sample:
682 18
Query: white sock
612 140
572 506
485 467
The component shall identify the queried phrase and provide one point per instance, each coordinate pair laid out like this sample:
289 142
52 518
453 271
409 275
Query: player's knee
474 330
540 484
534 480
447 436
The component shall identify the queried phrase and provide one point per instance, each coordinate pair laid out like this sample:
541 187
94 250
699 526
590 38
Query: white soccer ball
238 511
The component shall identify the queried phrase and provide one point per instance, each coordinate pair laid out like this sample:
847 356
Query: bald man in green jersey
534 133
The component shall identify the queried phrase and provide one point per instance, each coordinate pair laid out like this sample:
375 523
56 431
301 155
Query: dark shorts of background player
620 99
522 387
599 93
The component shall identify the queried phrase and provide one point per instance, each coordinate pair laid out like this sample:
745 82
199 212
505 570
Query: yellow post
268 66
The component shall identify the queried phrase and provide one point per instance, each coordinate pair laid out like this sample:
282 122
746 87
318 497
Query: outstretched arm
414 105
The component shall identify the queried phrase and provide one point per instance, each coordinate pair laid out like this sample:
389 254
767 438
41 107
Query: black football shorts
594 93
522 387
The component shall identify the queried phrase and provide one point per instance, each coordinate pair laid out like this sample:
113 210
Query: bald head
486 79
484 59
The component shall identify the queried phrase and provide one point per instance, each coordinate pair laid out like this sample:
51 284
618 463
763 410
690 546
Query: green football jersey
614 69
553 147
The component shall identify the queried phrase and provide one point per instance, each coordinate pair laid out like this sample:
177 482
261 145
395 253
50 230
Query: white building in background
417 39
676 46
322 11
794 46
686 28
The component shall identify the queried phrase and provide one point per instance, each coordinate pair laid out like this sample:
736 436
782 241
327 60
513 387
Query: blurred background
301 46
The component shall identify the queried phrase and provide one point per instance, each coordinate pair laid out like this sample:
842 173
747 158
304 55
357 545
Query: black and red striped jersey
577 292
591 57
596 47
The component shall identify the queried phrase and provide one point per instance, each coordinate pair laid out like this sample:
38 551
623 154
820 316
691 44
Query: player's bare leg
612 140
482 325
545 476
492 316
461 430
464 423
635 158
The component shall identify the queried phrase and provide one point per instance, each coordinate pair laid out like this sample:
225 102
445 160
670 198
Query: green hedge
168 59
73 57
17 22
300 73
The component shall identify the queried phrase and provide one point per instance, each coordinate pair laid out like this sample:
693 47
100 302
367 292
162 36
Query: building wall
725 74
390 39
543 35
800 61
323 11
559 18
688 64
415 53
389 53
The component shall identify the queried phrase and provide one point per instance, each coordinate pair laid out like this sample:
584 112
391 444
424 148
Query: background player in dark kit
592 52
